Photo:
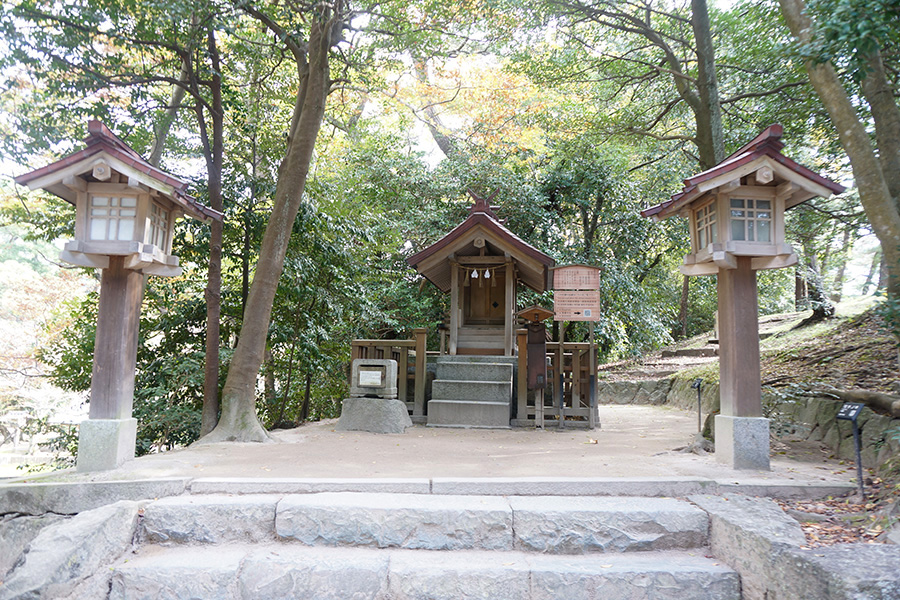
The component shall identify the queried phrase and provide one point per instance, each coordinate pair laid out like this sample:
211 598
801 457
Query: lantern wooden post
736 216
124 223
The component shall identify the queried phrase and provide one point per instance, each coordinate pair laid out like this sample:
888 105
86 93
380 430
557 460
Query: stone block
178 574
750 534
67 553
572 486
75 497
469 575
373 377
646 575
465 413
742 442
286 573
842 572
375 415
578 525
16 532
210 519
396 521
312 485
476 391
466 371
660 393
105 444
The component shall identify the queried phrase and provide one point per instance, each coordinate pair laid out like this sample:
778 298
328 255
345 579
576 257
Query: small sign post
576 297
850 411
698 385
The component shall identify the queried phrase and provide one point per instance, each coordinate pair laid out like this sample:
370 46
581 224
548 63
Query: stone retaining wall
807 418
814 419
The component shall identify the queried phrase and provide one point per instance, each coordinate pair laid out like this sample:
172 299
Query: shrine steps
472 391
410 546
485 339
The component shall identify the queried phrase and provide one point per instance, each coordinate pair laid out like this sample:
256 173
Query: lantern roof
482 227
103 145
763 151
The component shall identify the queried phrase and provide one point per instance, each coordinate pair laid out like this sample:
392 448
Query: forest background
577 114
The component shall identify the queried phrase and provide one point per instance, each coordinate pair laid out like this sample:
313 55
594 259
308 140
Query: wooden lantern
125 211
736 209
124 206
736 214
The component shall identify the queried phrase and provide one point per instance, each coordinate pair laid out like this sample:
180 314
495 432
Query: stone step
692 352
468 371
480 391
543 524
512 360
282 571
481 344
487 332
468 413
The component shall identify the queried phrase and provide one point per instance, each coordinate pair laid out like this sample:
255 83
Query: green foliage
571 168
851 31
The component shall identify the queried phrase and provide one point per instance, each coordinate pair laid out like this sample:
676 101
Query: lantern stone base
376 415
104 444
742 442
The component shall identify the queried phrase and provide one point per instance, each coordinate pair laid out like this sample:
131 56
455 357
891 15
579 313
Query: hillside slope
853 350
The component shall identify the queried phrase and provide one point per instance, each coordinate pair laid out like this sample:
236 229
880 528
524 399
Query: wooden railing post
421 373
522 401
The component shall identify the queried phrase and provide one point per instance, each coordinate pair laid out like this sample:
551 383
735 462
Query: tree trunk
238 421
873 268
886 114
710 138
876 198
818 299
304 409
683 308
161 131
837 289
215 159
801 293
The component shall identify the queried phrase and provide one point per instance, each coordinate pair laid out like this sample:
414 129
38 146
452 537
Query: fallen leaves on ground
836 521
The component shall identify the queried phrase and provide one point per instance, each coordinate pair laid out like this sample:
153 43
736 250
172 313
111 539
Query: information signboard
576 305
576 277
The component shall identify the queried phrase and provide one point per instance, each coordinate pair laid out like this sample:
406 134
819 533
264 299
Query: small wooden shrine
480 264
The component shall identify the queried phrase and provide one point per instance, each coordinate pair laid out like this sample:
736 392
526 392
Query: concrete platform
632 454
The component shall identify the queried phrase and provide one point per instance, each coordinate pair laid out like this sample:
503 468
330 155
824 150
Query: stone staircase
380 546
480 339
472 391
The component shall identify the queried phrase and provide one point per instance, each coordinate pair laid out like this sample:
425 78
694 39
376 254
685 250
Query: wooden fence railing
410 356
570 396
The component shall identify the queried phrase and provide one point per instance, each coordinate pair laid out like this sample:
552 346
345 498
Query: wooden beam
739 373
454 307
421 371
522 380
481 260
115 347
510 309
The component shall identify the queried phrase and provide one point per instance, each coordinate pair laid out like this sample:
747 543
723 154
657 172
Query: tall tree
863 27
325 20
102 46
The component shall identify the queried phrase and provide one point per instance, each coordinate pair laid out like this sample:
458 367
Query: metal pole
697 385
592 418
859 471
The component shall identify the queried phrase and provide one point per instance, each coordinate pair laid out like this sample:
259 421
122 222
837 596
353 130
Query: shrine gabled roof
434 261
763 150
103 143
